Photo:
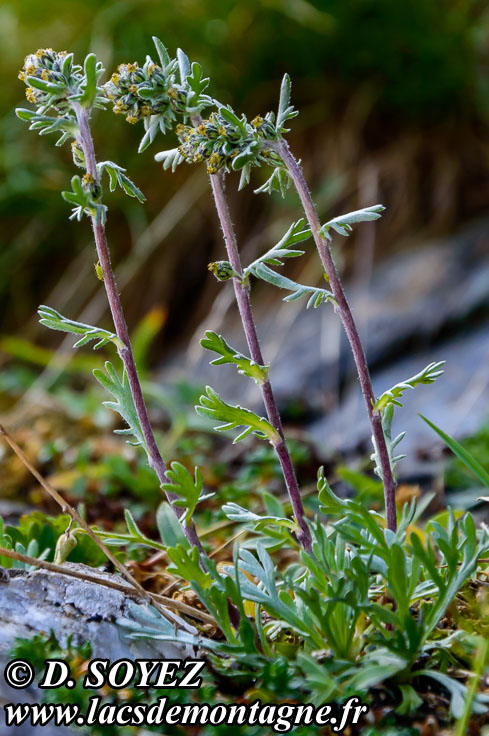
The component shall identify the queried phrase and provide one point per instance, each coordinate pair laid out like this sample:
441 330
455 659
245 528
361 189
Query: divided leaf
55 321
211 405
278 181
228 354
387 417
123 404
329 502
234 512
316 295
117 176
285 110
187 487
170 159
394 394
343 223
283 249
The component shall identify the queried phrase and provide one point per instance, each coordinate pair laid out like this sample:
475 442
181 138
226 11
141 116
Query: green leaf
285 109
116 175
426 376
243 516
410 700
295 234
49 87
329 502
186 564
457 691
183 65
211 405
24 114
90 83
188 488
133 536
239 124
387 417
278 181
161 51
196 84
246 366
170 159
123 404
169 528
55 321
316 295
343 223
464 455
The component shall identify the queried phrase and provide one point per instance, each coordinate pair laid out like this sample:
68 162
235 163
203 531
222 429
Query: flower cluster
50 77
140 92
225 141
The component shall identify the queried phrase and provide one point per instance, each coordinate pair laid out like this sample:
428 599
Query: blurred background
394 108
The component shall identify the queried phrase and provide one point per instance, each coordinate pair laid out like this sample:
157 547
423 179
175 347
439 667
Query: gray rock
458 401
42 601
421 305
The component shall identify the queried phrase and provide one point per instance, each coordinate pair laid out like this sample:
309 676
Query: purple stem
126 355
244 305
282 148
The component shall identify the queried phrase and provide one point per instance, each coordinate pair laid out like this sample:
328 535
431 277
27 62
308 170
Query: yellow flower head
30 94
119 107
133 89
145 111
132 118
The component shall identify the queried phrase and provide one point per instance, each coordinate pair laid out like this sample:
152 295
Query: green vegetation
314 597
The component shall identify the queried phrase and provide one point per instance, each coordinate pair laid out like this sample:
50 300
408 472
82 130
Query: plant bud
66 543
222 270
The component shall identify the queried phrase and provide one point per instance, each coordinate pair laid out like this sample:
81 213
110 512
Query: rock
424 304
458 402
42 601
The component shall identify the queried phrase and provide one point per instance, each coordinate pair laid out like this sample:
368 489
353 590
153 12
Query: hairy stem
349 325
126 355
246 314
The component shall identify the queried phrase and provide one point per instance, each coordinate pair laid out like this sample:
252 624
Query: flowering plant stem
126 355
244 305
295 172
